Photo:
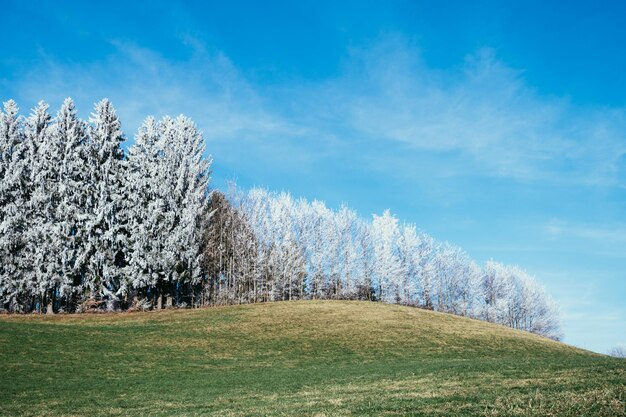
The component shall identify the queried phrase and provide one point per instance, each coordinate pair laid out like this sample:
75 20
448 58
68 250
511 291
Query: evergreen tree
185 190
69 250
106 203
146 204
13 197
43 174
192 191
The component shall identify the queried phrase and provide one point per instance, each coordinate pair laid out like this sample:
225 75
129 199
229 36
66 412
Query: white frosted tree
425 255
10 138
365 249
496 288
408 251
348 253
457 279
65 186
255 205
282 253
147 199
302 226
388 266
529 307
45 159
106 202
321 241
13 198
185 203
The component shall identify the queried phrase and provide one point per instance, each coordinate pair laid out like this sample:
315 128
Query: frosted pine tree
13 197
186 203
9 139
106 202
147 211
69 249
45 159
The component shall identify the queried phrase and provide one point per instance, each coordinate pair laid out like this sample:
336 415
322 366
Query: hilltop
286 358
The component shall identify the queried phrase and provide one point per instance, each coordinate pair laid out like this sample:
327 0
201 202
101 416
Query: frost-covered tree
166 212
617 352
320 240
348 258
185 204
230 256
346 287
44 156
10 139
496 287
13 198
408 252
530 308
388 266
364 281
457 276
513 298
146 212
106 228
255 206
71 247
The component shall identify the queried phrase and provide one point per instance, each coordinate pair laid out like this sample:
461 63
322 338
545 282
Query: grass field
296 358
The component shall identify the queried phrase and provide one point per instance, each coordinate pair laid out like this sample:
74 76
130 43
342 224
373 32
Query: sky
497 126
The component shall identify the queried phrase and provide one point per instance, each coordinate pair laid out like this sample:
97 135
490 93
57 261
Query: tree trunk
49 307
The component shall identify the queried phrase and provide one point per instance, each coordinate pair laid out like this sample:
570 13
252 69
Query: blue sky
498 127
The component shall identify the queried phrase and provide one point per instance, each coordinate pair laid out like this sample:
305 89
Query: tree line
273 247
85 225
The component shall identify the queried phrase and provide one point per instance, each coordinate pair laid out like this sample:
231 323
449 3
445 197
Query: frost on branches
304 250
86 226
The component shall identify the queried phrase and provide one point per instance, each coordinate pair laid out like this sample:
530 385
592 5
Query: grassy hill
296 358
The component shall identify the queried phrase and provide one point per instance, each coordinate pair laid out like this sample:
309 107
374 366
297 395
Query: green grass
296 358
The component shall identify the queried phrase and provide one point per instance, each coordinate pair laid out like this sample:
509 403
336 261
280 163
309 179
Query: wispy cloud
483 110
480 118
141 82
611 235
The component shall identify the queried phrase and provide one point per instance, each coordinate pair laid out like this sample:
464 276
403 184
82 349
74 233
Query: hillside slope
311 358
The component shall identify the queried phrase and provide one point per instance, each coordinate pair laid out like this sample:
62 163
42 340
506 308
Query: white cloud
608 234
483 110
481 116
141 82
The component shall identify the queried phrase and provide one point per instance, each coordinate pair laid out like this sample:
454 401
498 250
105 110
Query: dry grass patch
294 358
